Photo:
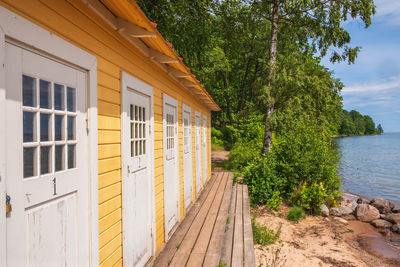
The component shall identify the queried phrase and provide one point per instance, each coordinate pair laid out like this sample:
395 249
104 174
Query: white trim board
143 88
48 44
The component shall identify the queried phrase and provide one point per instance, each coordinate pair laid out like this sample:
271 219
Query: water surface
370 165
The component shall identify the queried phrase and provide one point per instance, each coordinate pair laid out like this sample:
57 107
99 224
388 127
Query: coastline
352 135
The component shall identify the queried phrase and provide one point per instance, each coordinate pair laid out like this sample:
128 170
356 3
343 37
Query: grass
263 236
228 220
217 147
222 264
296 214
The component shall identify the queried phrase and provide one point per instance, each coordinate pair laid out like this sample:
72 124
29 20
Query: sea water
370 165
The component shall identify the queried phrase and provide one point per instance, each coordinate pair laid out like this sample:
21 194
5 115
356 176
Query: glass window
45 94
28 91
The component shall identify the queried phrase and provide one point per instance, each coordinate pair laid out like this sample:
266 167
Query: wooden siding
74 22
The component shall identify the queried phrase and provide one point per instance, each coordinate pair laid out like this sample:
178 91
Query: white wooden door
171 176
187 155
136 185
198 150
205 151
47 162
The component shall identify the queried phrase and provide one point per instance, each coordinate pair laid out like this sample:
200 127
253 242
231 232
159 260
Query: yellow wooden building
104 137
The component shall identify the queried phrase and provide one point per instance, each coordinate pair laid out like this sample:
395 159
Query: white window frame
15 27
142 87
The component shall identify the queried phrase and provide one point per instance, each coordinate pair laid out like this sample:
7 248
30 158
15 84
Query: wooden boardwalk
216 230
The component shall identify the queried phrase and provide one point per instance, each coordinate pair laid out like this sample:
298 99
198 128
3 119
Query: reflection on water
370 165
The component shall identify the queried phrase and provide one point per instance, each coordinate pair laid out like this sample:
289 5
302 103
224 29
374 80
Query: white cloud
390 83
388 11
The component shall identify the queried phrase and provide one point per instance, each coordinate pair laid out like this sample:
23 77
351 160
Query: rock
324 210
349 217
379 223
341 220
345 210
393 218
396 210
396 228
353 205
335 211
327 219
362 201
384 206
366 213
383 216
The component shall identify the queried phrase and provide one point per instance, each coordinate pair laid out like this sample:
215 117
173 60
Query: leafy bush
264 236
242 154
296 214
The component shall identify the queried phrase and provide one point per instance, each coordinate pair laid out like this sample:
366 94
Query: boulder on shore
384 206
396 228
379 223
362 201
367 213
396 210
393 218
324 210
342 211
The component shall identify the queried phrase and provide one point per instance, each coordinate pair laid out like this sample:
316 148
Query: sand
318 241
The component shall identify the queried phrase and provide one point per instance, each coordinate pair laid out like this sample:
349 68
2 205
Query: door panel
198 151
136 201
187 156
205 151
171 178
47 163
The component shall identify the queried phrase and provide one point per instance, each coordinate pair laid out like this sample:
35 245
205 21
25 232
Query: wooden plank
183 253
199 250
109 206
110 234
174 243
110 247
109 192
249 256
226 253
237 251
214 250
115 257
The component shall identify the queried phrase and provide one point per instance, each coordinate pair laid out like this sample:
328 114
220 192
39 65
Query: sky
372 84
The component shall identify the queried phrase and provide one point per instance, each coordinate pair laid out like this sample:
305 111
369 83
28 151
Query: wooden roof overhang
126 17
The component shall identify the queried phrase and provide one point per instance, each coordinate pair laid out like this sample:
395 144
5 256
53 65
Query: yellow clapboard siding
119 263
109 192
110 234
109 164
108 109
109 151
107 67
108 81
109 95
109 178
114 258
109 220
108 249
109 136
108 123
109 206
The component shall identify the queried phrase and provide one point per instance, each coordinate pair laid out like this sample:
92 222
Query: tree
315 25
379 129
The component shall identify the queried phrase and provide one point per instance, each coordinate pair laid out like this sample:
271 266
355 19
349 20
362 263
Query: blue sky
372 84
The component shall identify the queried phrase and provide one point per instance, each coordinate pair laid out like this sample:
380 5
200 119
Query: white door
187 155
197 141
171 176
47 162
136 184
205 151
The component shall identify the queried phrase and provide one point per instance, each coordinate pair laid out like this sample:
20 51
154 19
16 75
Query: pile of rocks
380 212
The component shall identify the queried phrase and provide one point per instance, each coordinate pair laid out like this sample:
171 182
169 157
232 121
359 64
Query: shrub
296 214
264 236
242 154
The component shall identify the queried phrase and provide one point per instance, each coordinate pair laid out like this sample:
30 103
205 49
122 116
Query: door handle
8 204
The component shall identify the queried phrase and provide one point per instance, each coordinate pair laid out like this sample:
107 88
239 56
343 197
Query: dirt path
219 156
318 241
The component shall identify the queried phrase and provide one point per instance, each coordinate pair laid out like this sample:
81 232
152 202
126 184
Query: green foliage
354 123
379 129
263 236
222 264
296 214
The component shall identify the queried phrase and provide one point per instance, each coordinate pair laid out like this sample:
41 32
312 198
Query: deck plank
226 253
237 252
199 250
213 254
172 245
182 254
249 256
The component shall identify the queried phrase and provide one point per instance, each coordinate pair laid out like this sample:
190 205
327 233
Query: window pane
144 147
45 94
136 148
71 99
59 97
71 128
59 158
144 114
28 91
45 129
132 149
144 130
140 113
131 113
71 156
45 159
136 130
59 127
29 125
29 162
132 130
136 113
